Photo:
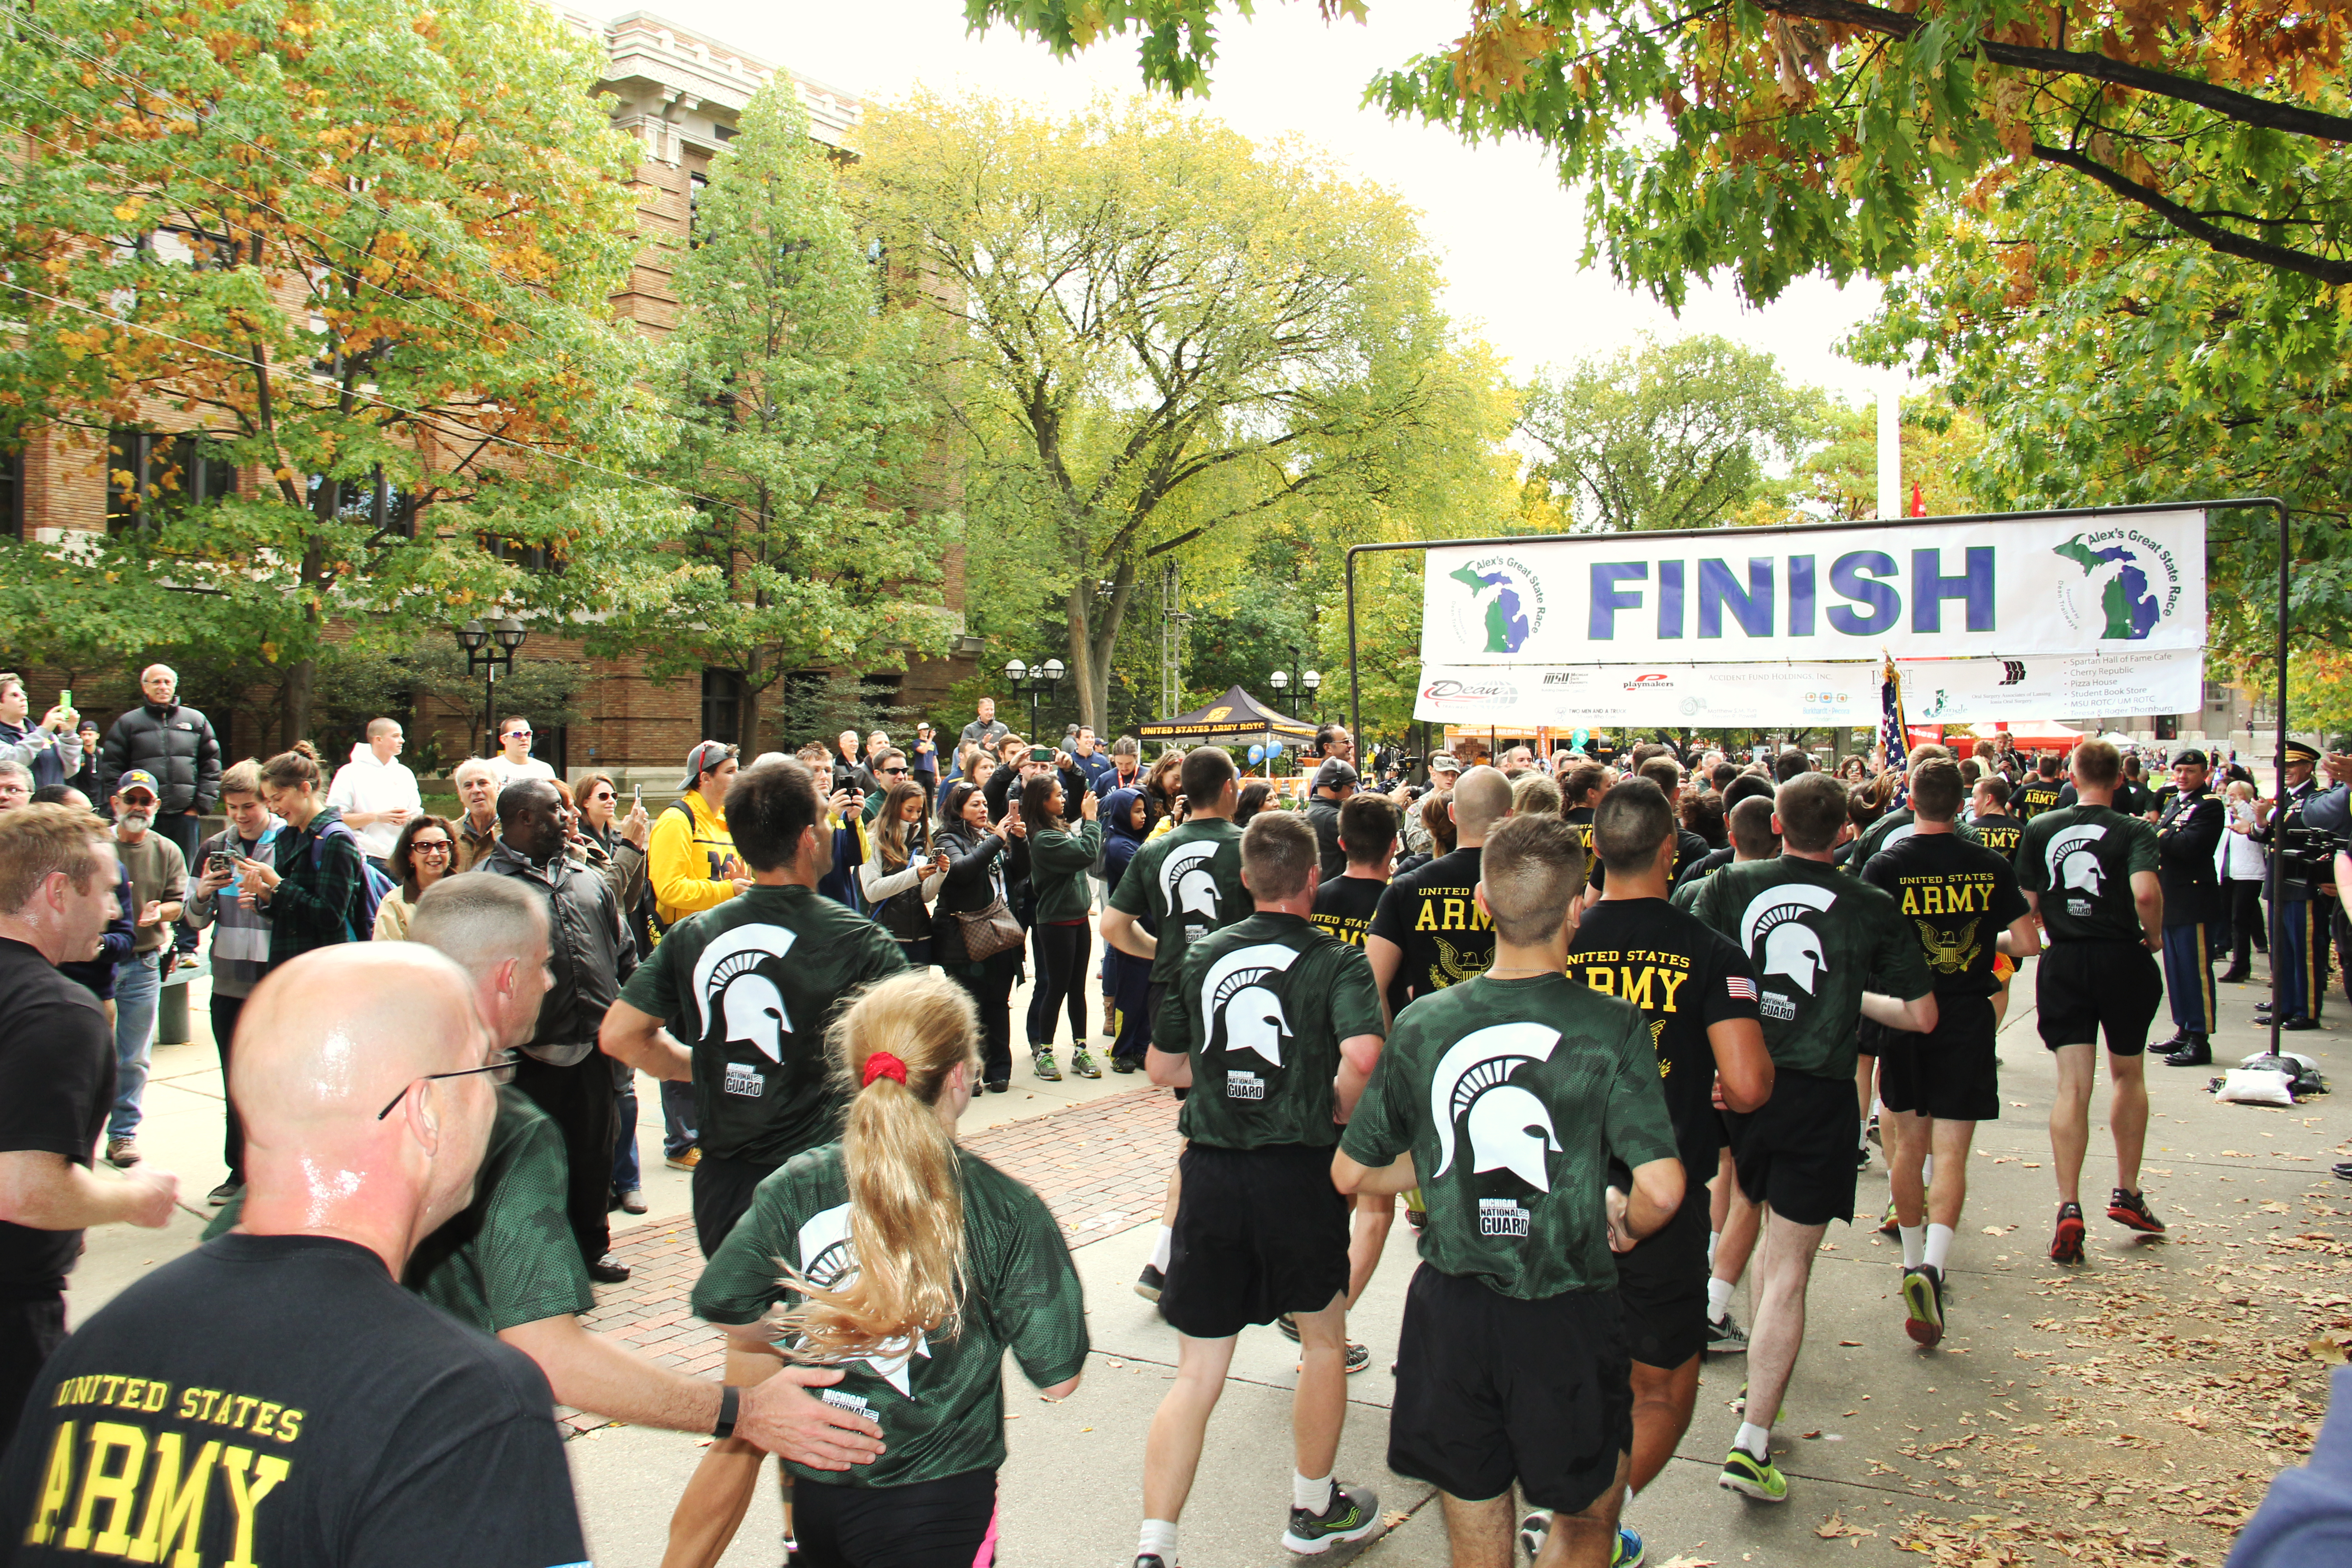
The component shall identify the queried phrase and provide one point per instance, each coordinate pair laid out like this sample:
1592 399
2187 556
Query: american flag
1890 728
1739 988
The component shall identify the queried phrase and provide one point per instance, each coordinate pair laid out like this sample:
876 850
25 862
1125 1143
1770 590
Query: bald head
1481 797
497 933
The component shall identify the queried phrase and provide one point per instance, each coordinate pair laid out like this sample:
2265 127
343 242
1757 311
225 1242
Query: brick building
677 94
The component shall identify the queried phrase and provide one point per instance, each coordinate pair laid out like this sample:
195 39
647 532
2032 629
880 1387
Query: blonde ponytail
906 1200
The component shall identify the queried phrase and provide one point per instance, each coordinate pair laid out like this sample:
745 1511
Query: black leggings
2244 904
1062 952
991 985
947 1523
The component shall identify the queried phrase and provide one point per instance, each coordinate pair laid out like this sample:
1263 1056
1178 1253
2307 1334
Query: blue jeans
138 985
678 1117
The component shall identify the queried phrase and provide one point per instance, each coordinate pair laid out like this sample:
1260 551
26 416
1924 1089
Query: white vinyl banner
1698 696
1981 690
2060 584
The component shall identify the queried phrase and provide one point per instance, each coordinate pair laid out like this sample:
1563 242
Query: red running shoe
2066 1246
2130 1210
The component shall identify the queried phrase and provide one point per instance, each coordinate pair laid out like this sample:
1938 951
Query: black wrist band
728 1398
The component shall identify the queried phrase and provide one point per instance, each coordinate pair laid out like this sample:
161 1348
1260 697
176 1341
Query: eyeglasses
429 846
502 1071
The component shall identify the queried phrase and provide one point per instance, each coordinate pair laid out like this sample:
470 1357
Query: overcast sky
1507 233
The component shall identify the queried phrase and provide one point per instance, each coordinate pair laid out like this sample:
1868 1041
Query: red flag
1919 501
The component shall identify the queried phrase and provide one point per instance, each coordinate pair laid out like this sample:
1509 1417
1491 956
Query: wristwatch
730 1398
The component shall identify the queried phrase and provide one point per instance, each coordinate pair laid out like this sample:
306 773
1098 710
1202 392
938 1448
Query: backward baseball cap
703 759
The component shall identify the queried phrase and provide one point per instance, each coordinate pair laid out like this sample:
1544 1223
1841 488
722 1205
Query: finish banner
2055 583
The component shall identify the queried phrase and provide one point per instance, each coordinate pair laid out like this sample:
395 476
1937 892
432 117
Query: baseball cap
1446 763
1335 773
702 759
139 778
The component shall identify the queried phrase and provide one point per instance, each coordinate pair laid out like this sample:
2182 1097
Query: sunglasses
891 772
516 735
502 1071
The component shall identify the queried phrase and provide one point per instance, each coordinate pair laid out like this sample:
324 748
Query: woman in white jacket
902 873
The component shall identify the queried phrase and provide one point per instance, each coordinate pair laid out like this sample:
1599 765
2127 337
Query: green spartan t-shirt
1511 1096
510 1258
940 1402
1262 1007
2078 862
1188 883
749 988
1819 939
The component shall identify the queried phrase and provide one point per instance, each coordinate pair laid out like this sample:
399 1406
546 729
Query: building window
375 503
151 478
722 133
695 185
12 494
529 557
722 705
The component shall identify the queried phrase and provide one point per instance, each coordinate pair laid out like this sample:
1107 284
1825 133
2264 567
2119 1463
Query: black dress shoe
2344 1170
605 1271
2230 977
2298 1025
2196 1052
997 1085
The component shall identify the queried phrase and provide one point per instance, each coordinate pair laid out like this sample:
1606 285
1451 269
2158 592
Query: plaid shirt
322 899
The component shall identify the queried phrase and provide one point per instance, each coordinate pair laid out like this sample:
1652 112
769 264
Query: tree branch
2285 258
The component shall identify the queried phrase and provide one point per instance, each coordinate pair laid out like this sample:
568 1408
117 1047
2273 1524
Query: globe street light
1034 683
476 638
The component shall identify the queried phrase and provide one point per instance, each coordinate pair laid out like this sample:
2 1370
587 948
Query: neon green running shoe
1743 1472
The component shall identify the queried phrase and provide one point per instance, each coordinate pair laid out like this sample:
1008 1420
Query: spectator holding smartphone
240 932
902 872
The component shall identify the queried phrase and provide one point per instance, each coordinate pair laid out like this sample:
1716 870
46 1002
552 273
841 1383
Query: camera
2306 855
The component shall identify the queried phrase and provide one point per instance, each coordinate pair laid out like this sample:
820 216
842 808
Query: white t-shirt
529 768
366 786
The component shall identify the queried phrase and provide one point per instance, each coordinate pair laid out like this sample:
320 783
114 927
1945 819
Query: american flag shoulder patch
1739 988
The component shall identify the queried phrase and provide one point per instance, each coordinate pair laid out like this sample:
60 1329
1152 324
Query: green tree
1664 435
817 518
1149 333
324 292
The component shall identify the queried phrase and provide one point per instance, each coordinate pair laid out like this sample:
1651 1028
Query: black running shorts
1259 1233
722 1191
947 1523
1796 1151
1950 1073
2083 989
1662 1284
1492 1389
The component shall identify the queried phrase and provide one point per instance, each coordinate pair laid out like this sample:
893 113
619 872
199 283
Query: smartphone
65 698
221 860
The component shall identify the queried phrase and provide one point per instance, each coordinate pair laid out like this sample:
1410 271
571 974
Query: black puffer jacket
176 744
588 951
981 868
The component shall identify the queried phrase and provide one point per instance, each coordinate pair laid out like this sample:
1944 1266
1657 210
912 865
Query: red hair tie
882 1064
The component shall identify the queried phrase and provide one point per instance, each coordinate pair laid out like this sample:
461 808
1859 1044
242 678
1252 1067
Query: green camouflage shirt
940 1402
1511 1096
2078 860
748 988
1188 883
1261 1007
510 1258
1819 939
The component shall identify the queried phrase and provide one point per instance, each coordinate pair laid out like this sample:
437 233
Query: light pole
476 638
1035 683
1308 683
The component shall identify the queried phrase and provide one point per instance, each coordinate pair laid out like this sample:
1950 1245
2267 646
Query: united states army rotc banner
2060 584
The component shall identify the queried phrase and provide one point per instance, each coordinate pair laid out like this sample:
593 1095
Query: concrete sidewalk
2129 1411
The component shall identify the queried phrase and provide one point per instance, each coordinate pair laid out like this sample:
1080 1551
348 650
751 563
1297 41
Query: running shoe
2130 1211
1082 1064
1360 1356
687 1161
1123 1064
1923 1303
1289 1327
1041 1062
1725 1337
1354 1513
1627 1552
1149 1559
1862 1157
1150 1283
1887 1226
2066 1246
1744 1473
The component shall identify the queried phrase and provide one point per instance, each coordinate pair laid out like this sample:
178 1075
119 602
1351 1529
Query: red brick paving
1101 1167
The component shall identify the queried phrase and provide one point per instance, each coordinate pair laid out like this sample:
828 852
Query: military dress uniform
2301 911
2187 837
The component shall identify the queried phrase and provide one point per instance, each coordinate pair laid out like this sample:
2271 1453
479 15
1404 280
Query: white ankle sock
1158 1539
1862 1138
1914 1244
1718 1299
1756 1440
1939 1245
1159 1253
1315 1496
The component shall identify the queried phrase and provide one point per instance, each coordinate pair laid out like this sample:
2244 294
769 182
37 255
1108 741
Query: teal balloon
1275 749
1257 754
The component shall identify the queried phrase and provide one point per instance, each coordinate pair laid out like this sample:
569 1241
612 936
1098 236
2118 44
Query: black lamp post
1308 684
1035 683
489 650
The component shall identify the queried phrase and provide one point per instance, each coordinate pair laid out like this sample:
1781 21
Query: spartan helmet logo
827 1259
726 984
1790 946
1185 882
2073 862
1510 1129
1896 836
1235 1000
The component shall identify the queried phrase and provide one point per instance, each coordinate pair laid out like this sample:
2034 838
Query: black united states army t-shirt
1958 898
280 1401
1684 977
1432 913
1344 907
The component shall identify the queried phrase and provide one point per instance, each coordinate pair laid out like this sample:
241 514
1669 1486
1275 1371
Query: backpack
375 884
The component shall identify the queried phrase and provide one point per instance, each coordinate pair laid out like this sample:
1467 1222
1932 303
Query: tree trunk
294 718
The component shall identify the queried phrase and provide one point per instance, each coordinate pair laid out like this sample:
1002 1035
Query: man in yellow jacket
691 859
